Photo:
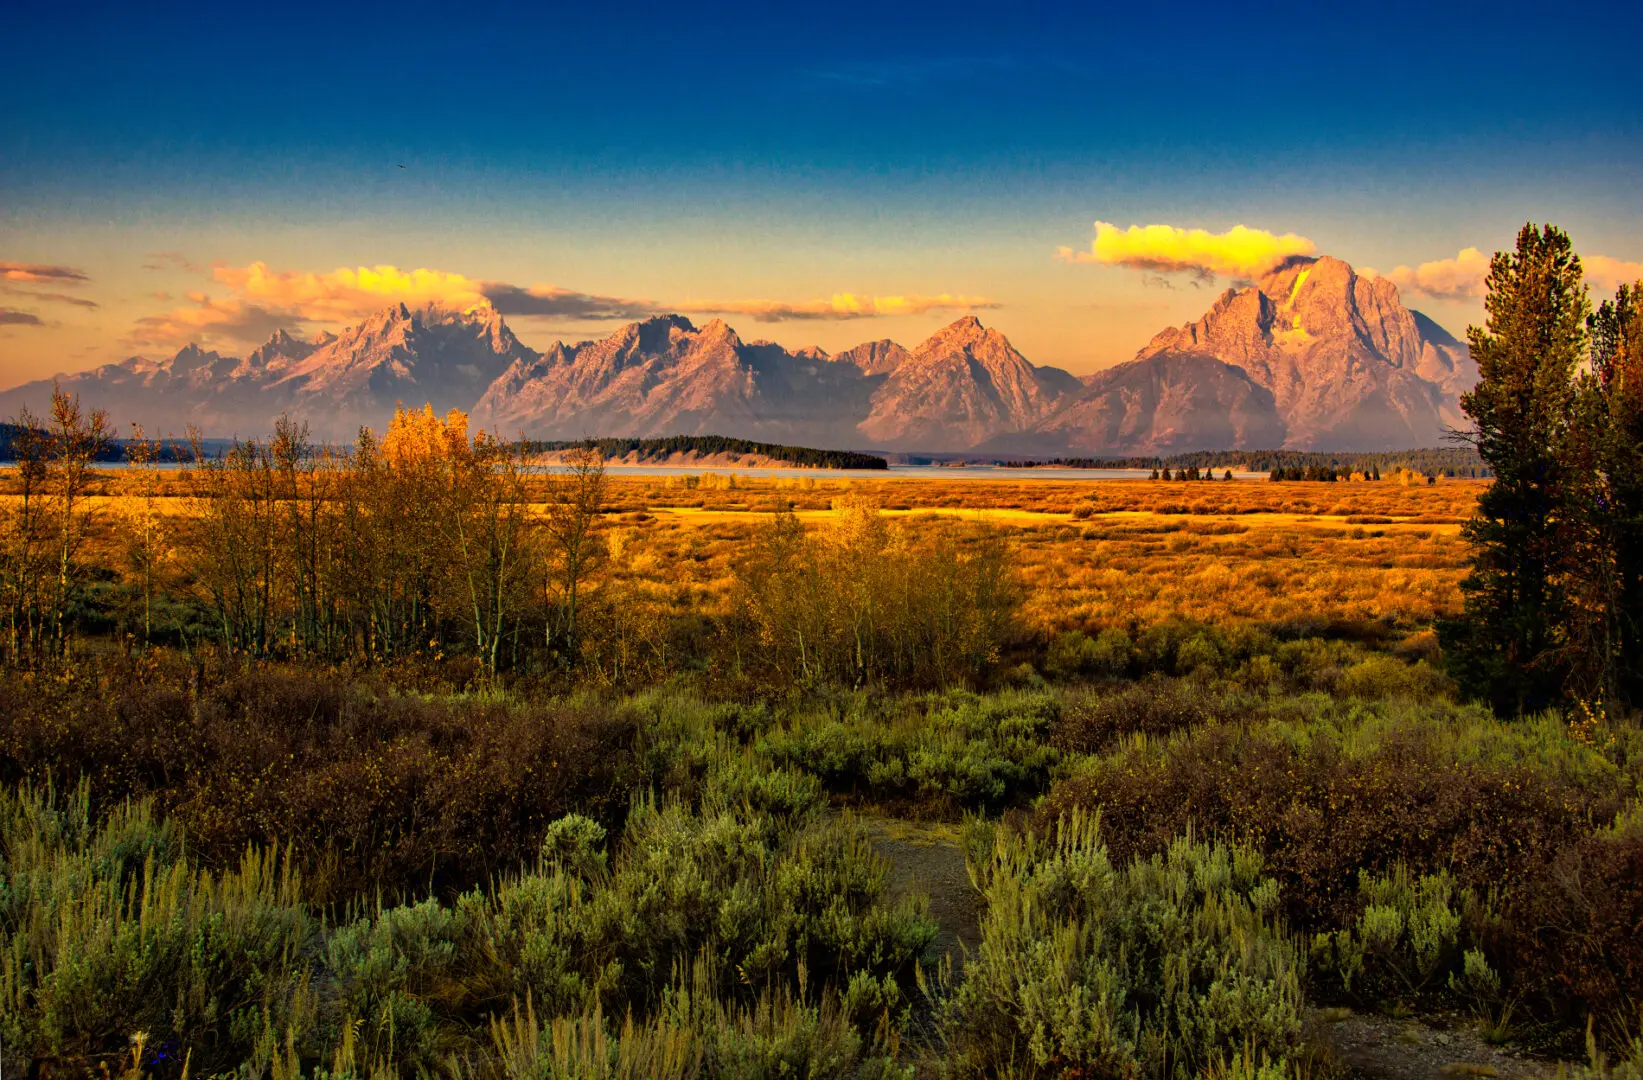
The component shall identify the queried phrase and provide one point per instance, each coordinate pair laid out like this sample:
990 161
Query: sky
1080 176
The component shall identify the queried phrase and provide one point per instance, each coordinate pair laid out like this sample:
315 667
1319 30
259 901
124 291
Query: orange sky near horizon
81 298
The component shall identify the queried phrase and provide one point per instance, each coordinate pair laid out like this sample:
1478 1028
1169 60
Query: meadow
1380 560
813 777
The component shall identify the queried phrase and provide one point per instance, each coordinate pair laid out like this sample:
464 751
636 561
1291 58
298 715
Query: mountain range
1309 356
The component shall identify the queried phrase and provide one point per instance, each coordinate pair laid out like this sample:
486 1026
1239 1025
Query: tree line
1554 597
705 445
427 543
1450 461
17 438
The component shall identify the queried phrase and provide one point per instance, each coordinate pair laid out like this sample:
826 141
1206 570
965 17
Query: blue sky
674 152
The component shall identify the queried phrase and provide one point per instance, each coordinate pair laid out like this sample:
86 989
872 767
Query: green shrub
1075 654
1160 968
1199 654
1408 940
107 930
697 1033
951 750
749 898
1379 676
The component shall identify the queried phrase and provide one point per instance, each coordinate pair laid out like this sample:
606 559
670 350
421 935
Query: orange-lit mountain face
1309 356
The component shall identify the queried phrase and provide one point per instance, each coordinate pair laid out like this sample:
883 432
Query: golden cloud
263 299
211 322
839 306
345 294
1165 249
1607 275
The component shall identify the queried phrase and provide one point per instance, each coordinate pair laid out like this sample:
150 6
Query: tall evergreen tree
1606 544
1510 647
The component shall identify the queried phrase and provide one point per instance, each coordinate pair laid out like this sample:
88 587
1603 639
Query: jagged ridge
1312 356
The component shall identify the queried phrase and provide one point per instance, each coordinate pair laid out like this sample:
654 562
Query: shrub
375 792
1573 933
728 893
1160 968
1381 677
1091 723
748 940
1327 799
875 601
1074 653
948 751
1407 940
699 1033
106 930
1199 654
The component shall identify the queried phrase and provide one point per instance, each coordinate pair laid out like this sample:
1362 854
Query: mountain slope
965 385
1311 356
1348 365
873 357
1167 403
663 376
334 383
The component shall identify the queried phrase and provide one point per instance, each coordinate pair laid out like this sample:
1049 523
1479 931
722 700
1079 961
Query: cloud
55 297
1458 278
1607 275
172 260
36 274
839 306
1465 276
551 301
345 294
262 299
9 317
212 322
1165 249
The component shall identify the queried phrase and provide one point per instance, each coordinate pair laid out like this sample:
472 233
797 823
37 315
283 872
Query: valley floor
1205 806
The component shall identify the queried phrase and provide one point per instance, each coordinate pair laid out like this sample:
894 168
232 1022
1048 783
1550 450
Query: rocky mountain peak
1312 355
963 385
1347 364
873 357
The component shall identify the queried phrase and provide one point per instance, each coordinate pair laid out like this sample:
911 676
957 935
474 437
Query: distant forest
1451 461
1437 461
171 450
656 449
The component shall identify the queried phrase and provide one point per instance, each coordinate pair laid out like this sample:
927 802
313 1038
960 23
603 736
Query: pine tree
1604 534
1509 648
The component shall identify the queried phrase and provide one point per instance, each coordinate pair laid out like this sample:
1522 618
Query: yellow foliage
421 437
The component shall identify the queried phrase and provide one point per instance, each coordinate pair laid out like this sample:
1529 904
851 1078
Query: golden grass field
1115 552
1091 553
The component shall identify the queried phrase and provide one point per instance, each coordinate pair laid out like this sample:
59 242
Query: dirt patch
925 857
1373 1047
